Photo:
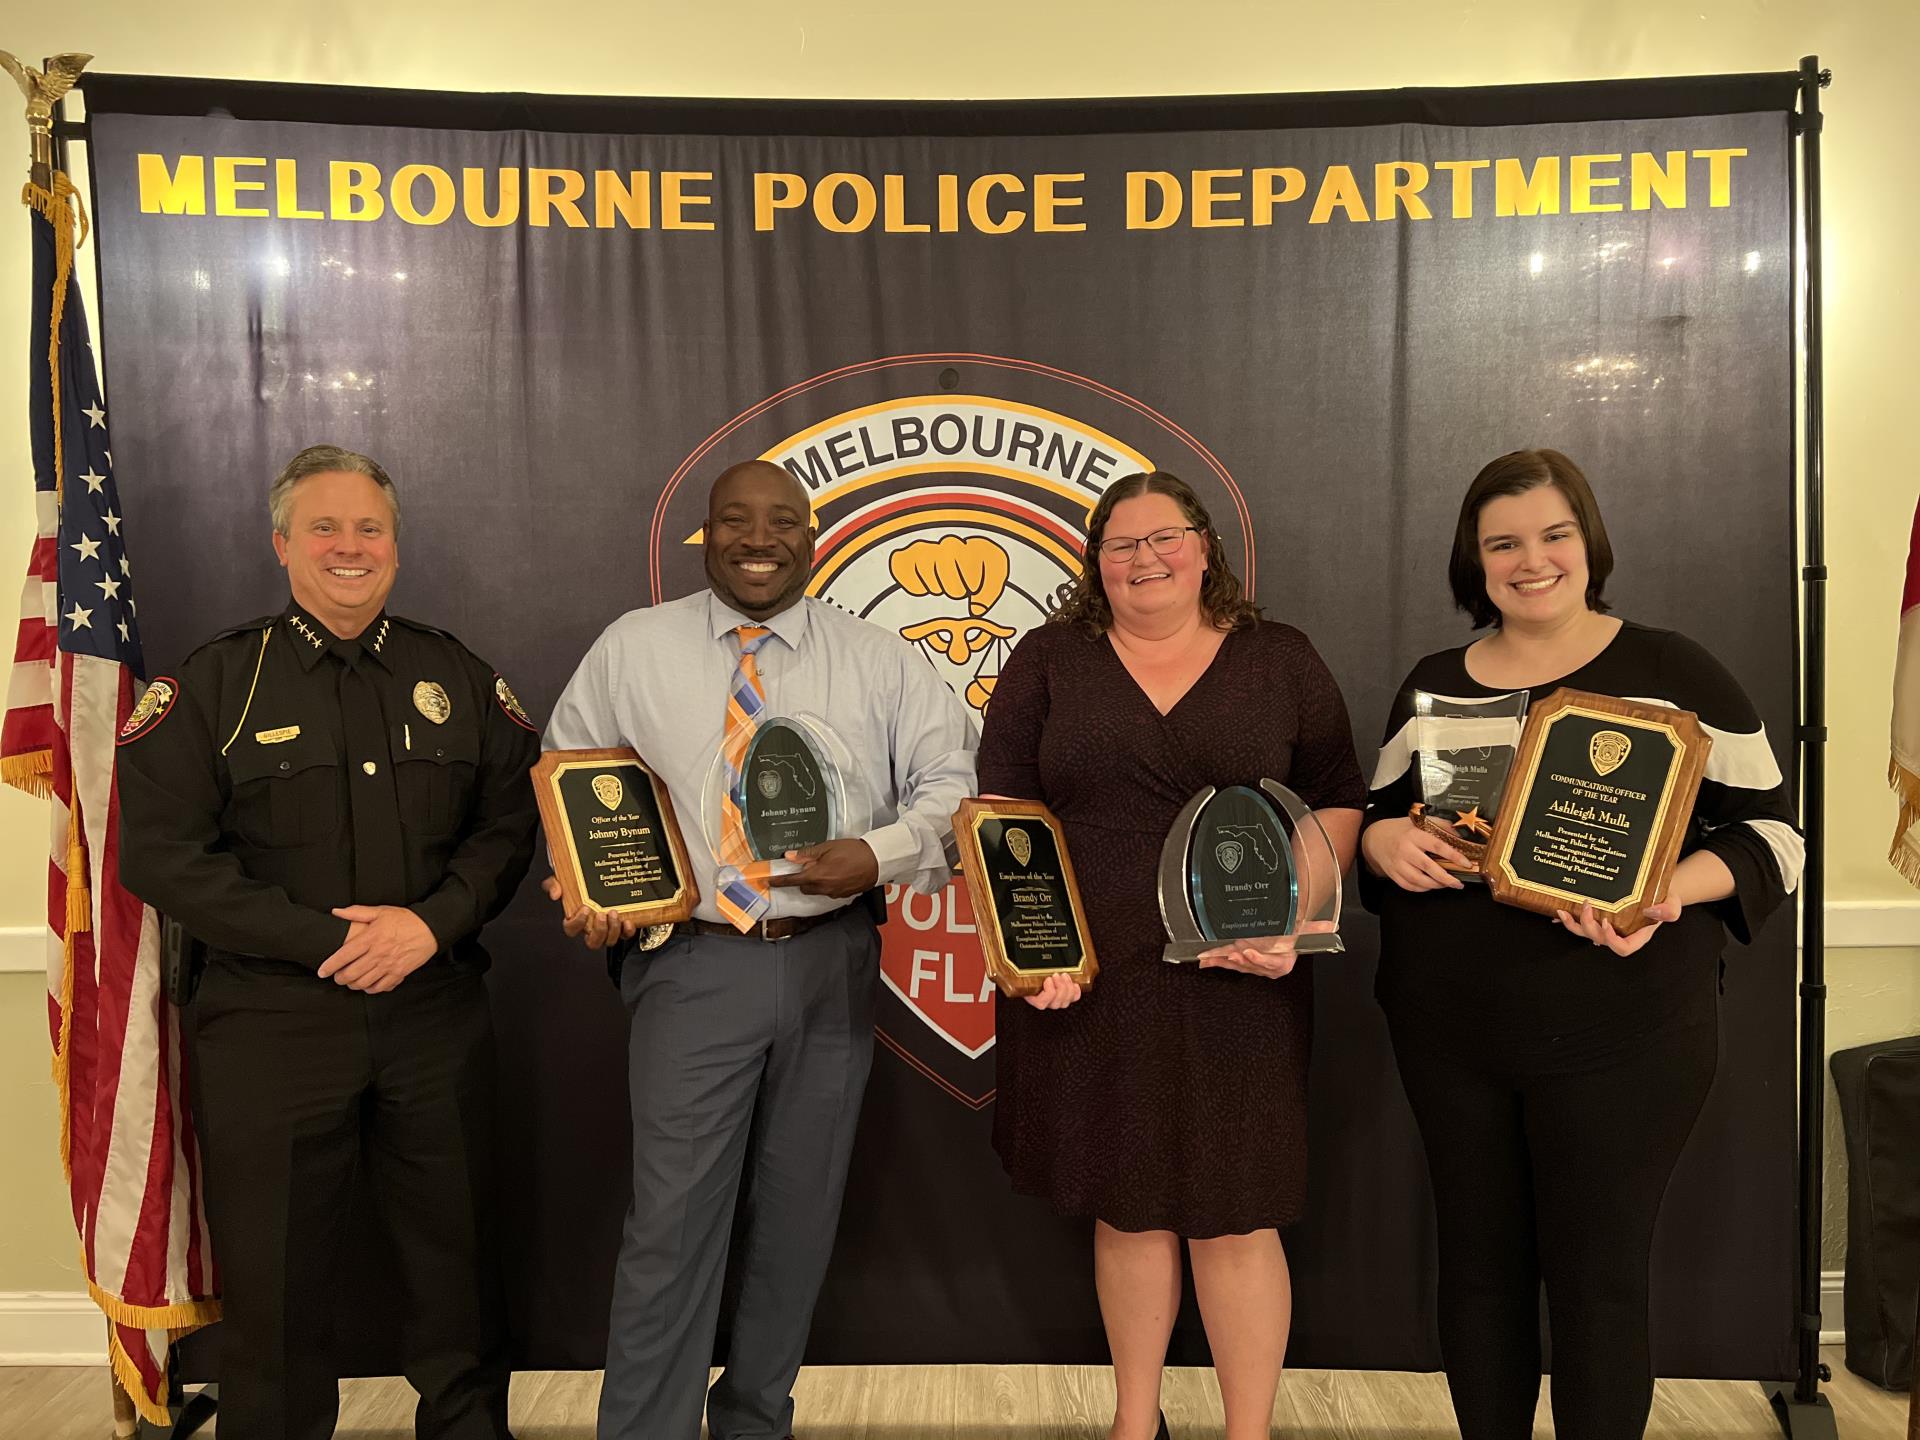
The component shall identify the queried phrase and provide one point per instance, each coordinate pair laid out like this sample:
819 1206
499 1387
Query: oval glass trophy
796 787
1248 864
1462 754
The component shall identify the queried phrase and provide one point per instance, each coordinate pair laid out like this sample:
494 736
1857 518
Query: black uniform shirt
286 772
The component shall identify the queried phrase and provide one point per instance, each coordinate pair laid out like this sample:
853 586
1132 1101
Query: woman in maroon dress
1170 1102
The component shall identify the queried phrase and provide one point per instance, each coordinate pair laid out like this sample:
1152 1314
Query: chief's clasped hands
384 945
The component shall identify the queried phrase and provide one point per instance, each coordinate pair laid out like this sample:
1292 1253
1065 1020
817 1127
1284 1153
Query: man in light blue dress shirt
749 1052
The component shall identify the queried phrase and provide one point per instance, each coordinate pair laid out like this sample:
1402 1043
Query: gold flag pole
43 89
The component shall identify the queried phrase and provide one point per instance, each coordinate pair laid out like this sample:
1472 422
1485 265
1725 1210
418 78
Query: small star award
1462 753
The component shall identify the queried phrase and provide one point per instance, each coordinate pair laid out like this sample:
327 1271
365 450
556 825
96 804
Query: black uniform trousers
1547 1175
297 1080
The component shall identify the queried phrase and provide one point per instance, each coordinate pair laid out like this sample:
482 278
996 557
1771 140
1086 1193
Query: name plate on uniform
1247 864
1026 901
612 835
1597 806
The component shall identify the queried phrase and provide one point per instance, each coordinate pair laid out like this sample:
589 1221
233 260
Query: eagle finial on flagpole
43 90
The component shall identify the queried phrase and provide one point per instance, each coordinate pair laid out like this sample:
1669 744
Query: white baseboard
1872 924
42 1328
1833 1309
23 948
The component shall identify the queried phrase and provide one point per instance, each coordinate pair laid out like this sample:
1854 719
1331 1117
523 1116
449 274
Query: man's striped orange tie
742 893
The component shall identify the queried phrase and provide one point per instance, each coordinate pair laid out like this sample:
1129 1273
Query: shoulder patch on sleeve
152 708
510 703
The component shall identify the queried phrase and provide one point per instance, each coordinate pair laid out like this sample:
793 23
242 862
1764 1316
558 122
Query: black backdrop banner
555 321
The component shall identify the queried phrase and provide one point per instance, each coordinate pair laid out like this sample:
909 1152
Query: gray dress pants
747 1058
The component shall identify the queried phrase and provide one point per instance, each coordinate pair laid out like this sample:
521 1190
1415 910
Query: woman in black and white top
1555 1067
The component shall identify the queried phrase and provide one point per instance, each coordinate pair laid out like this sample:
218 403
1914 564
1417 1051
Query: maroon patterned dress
1169 1097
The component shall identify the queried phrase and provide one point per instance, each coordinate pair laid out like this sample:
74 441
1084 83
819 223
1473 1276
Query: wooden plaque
1597 806
1026 901
612 836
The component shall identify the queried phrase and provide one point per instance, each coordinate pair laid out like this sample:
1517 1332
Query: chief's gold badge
609 790
151 709
431 701
510 703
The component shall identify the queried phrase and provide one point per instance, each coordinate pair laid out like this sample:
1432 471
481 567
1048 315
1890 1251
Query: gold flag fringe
153 1408
1905 853
182 1319
61 206
32 773
62 1069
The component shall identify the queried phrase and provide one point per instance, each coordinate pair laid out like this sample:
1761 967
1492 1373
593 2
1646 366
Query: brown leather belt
783 928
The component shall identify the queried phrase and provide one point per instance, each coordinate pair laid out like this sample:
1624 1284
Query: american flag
126 1132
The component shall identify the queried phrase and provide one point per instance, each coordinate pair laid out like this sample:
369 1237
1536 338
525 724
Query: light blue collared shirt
657 679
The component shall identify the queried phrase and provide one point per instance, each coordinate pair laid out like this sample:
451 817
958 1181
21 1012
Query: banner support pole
1803 1412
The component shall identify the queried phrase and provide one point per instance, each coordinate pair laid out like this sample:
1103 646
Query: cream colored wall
1012 48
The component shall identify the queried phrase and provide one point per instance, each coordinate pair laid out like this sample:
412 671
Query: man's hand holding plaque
1596 811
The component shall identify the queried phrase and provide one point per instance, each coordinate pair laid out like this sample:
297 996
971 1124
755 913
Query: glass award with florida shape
1462 754
796 786
1248 864
612 836
1026 901
1598 807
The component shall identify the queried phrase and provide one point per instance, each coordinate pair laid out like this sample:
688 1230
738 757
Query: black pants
1555 1178
296 1079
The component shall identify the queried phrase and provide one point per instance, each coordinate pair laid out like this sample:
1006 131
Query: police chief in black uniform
334 801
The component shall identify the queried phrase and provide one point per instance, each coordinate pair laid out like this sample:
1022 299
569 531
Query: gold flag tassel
1905 853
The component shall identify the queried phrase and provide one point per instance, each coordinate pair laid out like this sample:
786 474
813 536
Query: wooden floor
979 1402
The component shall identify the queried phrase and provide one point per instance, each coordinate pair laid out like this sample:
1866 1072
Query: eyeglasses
1164 542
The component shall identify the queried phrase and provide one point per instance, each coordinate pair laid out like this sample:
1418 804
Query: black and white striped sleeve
1390 791
1744 814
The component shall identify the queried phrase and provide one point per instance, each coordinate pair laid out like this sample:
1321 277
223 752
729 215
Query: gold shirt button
368 766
